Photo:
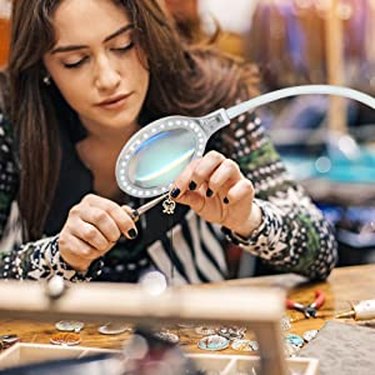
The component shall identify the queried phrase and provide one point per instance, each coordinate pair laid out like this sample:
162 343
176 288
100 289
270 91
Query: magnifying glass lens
159 160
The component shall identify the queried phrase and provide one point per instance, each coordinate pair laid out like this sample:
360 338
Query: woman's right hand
93 227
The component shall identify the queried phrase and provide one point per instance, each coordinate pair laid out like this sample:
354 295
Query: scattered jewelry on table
213 342
310 335
285 323
290 350
69 326
206 330
232 333
112 328
186 325
65 339
294 340
167 336
8 340
244 345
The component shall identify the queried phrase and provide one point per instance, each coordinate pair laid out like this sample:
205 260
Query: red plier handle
311 309
319 300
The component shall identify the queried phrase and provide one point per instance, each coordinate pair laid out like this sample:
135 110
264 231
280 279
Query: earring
47 80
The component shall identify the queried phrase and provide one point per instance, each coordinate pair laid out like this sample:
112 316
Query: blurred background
328 143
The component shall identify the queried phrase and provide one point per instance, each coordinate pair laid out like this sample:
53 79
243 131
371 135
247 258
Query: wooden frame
260 309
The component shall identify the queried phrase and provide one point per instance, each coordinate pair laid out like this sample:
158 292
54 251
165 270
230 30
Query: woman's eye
75 64
124 48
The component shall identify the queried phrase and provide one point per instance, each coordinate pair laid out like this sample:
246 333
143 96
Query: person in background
186 18
77 94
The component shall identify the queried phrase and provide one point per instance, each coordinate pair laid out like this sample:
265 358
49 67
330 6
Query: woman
84 77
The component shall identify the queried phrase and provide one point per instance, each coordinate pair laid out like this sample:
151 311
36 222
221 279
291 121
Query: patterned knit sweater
293 237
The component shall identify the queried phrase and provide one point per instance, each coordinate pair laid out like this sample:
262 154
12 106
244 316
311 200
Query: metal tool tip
345 315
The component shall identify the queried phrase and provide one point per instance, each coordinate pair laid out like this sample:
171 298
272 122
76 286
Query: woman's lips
116 102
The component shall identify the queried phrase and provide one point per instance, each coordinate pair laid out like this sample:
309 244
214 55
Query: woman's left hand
215 188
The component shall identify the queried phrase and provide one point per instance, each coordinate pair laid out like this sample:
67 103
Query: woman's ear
45 76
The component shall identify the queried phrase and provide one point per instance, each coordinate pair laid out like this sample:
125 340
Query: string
170 249
169 206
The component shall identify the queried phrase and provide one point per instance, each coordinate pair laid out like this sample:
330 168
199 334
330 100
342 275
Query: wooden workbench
344 285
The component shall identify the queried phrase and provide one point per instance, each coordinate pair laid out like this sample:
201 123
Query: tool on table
310 310
364 310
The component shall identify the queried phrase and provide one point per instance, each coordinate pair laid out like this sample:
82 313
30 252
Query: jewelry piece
185 325
232 333
167 336
169 205
294 340
244 345
205 330
213 342
285 323
47 80
69 326
8 340
290 350
310 335
65 338
114 329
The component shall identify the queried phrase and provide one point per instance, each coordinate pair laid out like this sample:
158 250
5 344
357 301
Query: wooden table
345 285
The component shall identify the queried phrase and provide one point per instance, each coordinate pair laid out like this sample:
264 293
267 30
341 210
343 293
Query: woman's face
96 65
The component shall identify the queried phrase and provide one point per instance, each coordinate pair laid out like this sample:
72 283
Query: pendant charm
169 206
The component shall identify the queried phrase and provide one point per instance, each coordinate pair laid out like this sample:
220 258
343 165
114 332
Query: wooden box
258 309
24 354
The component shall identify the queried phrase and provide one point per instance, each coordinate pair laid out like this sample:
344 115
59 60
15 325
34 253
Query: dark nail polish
175 192
226 231
226 200
209 193
132 233
192 185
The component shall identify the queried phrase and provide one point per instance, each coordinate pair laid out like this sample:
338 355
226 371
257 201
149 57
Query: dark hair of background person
4 92
183 80
186 18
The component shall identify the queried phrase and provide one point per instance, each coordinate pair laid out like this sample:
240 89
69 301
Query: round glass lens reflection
159 160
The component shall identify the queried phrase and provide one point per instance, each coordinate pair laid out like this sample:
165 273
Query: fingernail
226 200
175 192
209 193
226 231
132 233
192 185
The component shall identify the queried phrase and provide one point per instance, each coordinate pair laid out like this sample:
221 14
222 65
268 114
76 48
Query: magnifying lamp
154 156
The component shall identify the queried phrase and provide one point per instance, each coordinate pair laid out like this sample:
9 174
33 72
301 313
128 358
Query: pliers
310 310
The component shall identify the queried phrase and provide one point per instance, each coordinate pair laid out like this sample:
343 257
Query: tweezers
137 212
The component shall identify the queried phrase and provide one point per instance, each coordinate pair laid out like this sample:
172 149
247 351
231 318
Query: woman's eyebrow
71 48
118 32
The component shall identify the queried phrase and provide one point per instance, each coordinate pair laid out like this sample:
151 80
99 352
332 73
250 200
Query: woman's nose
107 77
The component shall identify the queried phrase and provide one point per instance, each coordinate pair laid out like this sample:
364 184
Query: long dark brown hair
183 80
